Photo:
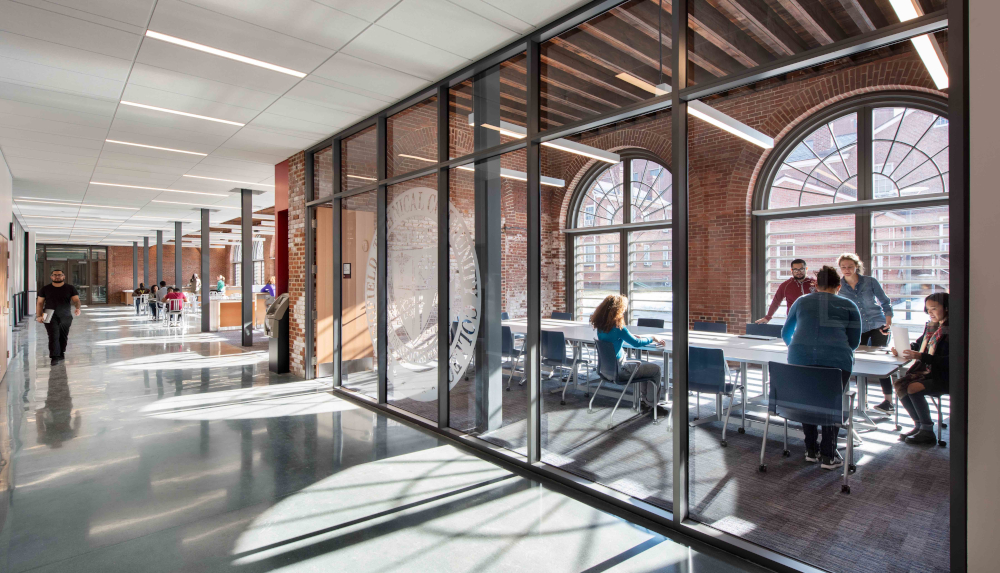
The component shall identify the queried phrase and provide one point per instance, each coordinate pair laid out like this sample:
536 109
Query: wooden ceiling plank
858 15
712 65
612 32
816 20
718 30
764 24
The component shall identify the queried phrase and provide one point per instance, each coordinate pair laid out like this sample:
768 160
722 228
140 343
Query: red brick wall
120 268
296 262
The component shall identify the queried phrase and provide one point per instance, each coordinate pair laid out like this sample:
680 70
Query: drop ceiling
66 66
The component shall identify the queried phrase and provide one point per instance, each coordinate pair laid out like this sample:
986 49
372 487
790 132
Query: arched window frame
257 256
865 204
572 230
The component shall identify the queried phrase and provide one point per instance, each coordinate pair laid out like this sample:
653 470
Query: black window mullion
865 153
444 296
337 253
382 277
623 253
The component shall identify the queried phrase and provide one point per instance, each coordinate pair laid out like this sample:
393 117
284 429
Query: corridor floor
160 450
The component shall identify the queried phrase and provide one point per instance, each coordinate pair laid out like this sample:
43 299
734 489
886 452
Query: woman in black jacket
929 374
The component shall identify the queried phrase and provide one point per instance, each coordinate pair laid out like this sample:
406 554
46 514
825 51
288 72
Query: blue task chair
755 329
506 316
607 368
936 400
553 348
653 322
719 327
708 372
562 316
810 395
510 352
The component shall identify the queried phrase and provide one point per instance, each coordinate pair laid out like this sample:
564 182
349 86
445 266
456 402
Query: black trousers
828 447
137 307
58 331
875 337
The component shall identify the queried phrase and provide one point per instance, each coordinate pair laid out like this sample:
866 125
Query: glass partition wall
482 222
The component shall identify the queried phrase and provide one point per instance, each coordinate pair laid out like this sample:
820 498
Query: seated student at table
609 321
152 300
790 290
823 329
269 287
136 294
929 374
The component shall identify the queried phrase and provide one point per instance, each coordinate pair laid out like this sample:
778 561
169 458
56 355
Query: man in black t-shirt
64 302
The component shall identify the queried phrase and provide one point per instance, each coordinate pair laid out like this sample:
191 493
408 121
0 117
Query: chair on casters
810 395
936 400
562 316
510 352
719 327
755 329
708 372
607 369
553 350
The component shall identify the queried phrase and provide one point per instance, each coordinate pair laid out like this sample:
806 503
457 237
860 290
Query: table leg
860 404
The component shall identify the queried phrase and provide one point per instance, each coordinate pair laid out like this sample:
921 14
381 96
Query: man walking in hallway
57 297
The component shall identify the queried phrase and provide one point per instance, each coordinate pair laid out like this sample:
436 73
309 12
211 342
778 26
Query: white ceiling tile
132 177
199 64
213 162
303 19
188 104
294 107
253 156
197 87
163 136
369 10
369 76
11 121
223 32
31 111
311 94
27 49
267 142
112 196
57 100
393 50
67 31
447 26
132 12
24 164
49 155
148 164
284 125
37 75
173 121
534 12
486 10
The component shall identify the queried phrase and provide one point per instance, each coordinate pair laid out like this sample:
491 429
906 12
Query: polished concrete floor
153 450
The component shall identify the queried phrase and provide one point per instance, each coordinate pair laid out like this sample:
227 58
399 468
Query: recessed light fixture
222 53
195 204
361 178
159 189
926 45
155 147
184 113
47 202
662 89
68 228
231 180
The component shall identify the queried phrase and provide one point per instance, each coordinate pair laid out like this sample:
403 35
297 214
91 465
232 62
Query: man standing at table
57 297
791 289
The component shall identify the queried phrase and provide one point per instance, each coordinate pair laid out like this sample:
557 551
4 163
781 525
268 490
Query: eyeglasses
798 269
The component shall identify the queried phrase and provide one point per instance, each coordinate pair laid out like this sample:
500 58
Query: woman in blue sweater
609 320
823 329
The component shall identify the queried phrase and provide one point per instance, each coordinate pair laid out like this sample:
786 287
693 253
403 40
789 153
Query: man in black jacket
64 302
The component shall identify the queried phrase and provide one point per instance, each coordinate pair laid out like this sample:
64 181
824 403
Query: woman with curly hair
609 321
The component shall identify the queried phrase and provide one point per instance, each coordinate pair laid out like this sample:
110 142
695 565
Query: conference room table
869 363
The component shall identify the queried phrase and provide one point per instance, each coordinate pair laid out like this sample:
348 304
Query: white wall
984 279
6 197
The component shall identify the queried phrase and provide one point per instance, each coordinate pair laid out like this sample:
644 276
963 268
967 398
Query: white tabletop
867 362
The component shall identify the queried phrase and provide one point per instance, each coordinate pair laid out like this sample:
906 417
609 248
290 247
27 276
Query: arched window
256 253
868 175
606 221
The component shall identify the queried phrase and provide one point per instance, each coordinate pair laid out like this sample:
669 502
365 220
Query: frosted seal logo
411 228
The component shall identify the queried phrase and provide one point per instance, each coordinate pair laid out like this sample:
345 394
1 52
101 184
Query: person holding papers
53 310
876 311
823 329
609 321
929 374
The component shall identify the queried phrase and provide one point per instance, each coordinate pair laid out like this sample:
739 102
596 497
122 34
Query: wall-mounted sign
347 270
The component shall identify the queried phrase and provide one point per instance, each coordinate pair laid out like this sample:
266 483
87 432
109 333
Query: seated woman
929 374
823 329
609 320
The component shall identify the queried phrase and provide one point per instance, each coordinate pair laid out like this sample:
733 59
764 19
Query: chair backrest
806 394
176 304
607 360
710 327
553 346
764 329
654 322
562 316
506 341
504 316
706 370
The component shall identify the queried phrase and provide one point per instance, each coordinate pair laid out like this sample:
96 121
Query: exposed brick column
297 262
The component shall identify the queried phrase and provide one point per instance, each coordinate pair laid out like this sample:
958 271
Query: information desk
128 298
227 313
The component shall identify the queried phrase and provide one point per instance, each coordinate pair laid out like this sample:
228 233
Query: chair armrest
632 361
850 393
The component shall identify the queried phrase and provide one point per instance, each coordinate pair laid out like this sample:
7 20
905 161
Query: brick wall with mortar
120 267
297 262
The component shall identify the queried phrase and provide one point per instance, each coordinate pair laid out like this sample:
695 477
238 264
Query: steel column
443 262
145 260
178 253
381 349
159 257
246 264
206 248
310 275
532 363
338 266
135 265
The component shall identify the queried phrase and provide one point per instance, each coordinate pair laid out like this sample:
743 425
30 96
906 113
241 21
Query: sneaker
885 407
812 456
905 435
831 463
922 438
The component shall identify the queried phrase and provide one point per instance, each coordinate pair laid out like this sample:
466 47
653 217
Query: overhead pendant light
927 46
231 180
222 53
159 189
362 178
520 176
155 147
662 89
184 113
514 130
715 117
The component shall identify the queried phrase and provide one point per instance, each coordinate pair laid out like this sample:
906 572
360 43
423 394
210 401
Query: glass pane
817 240
650 276
99 279
323 289
910 148
596 271
910 260
613 60
323 173
411 231
359 330
358 160
604 203
822 169
499 104
652 185
730 37
411 138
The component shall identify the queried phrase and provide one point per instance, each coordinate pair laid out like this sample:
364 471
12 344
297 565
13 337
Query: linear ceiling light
195 204
155 147
101 219
46 202
926 45
69 228
184 113
362 178
519 132
232 180
707 113
520 176
162 218
415 157
160 189
222 53
662 89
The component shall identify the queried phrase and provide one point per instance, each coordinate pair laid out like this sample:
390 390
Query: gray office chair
608 368
653 322
562 316
810 395
708 372
755 329
719 327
